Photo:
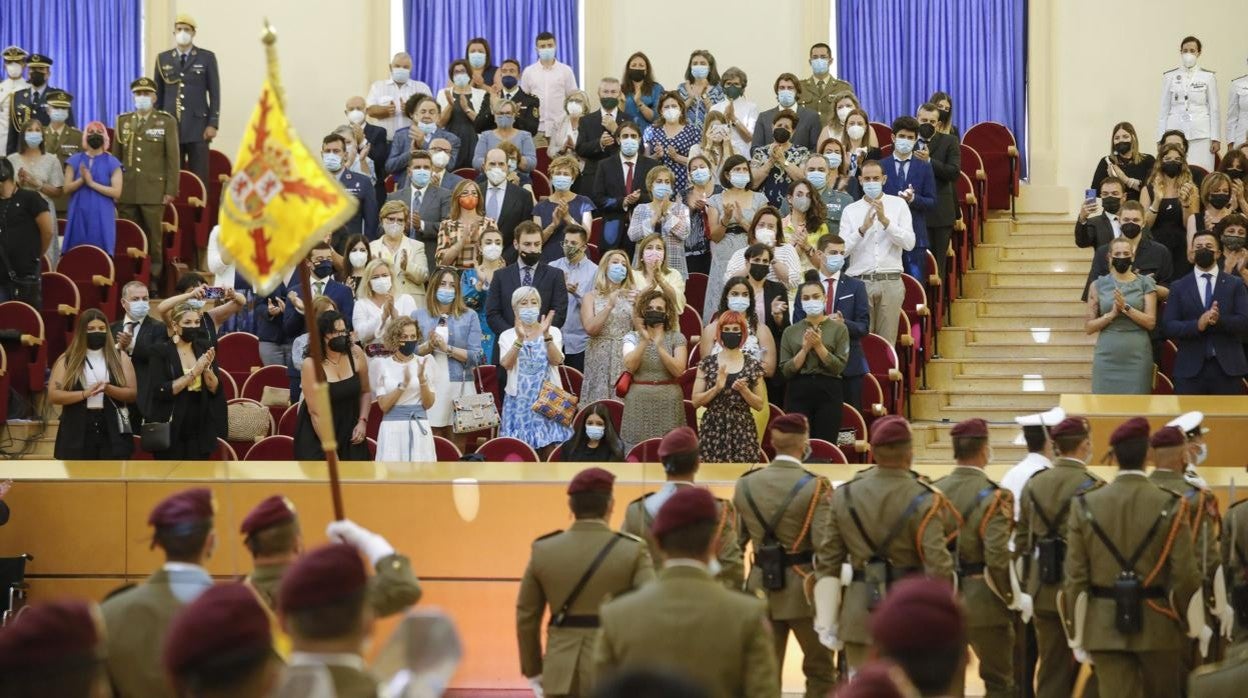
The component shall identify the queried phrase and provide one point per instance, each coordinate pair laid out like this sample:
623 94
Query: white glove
1082 656
535 685
1026 607
1206 634
373 546
828 638
1226 615
1193 478
827 597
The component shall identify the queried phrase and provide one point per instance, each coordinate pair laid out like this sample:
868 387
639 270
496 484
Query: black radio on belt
877 574
769 558
1050 554
1239 601
1128 604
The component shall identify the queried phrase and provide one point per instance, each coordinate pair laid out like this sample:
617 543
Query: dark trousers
851 387
698 263
819 398
576 361
1211 380
938 238
195 159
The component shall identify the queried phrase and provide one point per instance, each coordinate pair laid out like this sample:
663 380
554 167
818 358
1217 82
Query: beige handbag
247 421
275 397
474 412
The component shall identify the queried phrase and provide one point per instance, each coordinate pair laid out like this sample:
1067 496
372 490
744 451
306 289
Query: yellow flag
279 201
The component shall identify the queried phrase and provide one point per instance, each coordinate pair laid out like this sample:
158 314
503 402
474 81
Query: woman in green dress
1122 307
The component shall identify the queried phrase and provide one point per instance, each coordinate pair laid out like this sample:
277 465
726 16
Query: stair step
1063 241
1033 335
988 350
1033 307
1035 266
968 318
1012 366
994 294
1025 383
926 403
1019 252
942 452
933 433
994 413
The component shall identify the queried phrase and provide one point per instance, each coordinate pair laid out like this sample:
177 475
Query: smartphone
214 293
1090 197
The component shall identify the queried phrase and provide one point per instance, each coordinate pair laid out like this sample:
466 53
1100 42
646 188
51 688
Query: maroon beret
592 480
327 574
1168 437
48 632
270 512
975 428
879 679
185 507
918 614
1134 428
1071 426
678 441
890 429
225 618
791 423
688 506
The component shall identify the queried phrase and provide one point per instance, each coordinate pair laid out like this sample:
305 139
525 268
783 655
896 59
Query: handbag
474 412
247 421
556 404
623 383
155 436
275 397
123 418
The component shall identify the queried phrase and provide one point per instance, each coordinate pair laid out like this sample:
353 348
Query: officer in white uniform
1032 463
1192 426
12 83
1189 103
1237 113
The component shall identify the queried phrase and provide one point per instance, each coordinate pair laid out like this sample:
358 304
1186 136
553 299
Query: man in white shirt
742 113
13 82
877 229
386 97
550 81
1039 451
138 334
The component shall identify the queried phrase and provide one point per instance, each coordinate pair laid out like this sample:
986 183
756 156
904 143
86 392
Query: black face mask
407 348
730 340
926 131
95 140
1121 264
96 340
1219 200
1111 203
530 258
758 272
782 135
944 115
340 343
609 103
637 74
1204 258
323 269
654 317
1171 168
1235 173
1122 147
1131 231
38 78
191 335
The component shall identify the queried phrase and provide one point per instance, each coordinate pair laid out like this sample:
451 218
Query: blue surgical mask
142 102
139 309
873 190
595 432
476 59
421 178
903 145
628 146
738 304
505 121
561 182
460 79
400 75
445 295
33 138
833 263
333 161
700 175
699 72
813 306
617 272
662 191
195 303
819 65
786 98
834 160
58 115
530 315
739 179
546 54
427 128
817 179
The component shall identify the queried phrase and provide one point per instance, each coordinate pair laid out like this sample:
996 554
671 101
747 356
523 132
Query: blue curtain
96 49
896 53
437 32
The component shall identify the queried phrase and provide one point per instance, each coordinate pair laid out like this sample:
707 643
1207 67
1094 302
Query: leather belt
898 573
1108 592
577 622
880 276
970 569
806 558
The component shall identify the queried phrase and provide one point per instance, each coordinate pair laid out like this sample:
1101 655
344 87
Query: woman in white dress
377 304
403 393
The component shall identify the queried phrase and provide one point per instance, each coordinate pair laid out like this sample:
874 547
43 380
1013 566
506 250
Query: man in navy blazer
615 196
1207 316
548 281
849 305
913 180
322 260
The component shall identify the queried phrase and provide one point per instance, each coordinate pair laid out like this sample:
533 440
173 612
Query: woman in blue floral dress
474 284
530 352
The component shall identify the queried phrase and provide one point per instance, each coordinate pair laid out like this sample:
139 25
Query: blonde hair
658 171
602 283
365 291
391 336
716 154
457 306
393 206
663 267
524 293
565 162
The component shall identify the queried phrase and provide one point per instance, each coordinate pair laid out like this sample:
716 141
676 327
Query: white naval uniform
1189 103
1237 112
8 88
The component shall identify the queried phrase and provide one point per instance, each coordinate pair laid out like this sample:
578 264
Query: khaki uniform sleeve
1077 565
931 540
830 552
643 566
1206 539
731 560
743 533
1184 574
394 587
762 674
115 146
1022 528
173 159
1230 537
530 606
994 530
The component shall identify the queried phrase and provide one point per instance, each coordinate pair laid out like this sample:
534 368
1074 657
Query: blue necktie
527 274
1208 290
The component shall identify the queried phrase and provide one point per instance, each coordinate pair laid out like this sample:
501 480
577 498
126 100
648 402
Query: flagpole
319 394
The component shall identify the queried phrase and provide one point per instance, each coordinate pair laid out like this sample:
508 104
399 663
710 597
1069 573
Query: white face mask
13 70
767 236
392 228
855 132
356 116
491 253
380 284
671 115
496 175
1188 59
358 258
183 37
575 109
439 159
842 113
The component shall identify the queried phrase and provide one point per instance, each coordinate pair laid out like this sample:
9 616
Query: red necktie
831 301
628 178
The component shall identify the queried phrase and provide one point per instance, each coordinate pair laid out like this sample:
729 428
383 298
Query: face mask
719 131
142 102
873 189
529 316
358 258
943 115
699 72
817 178
819 65
407 348
323 269
530 259
758 272
609 103
139 309
34 138
491 253
509 81
572 251
1111 203
654 317
505 120
730 340
616 272
381 284
1130 230
1171 168
421 178
445 296
192 334
400 75
733 91
628 146
1233 243
834 262
333 161
1122 147
38 78
468 202
575 109
782 135
636 74
496 175
95 340
738 304
561 182
1202 453
14 70
95 140
842 113
671 115
392 228
1215 200
903 145
546 54
595 432
834 160
801 204
439 159
1204 258
786 98
460 79
428 129
1188 59
59 116
855 132
339 343
767 236
926 131
662 191
1121 264
476 59
1235 173
511 165
700 175
652 256
813 307
183 37
196 303
355 116
739 179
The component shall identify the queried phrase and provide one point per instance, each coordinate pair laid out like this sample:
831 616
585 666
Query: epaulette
548 535
1172 70
751 471
864 471
1232 506
642 498
164 113
630 536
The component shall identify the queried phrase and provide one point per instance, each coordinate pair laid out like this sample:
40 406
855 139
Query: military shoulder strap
879 550
979 497
557 619
769 525
1052 524
1127 565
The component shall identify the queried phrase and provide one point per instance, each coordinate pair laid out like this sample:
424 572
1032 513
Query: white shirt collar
343 659
181 567
835 277
686 562
1198 272
790 459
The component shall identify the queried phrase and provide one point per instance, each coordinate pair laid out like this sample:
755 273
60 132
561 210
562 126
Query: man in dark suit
911 179
188 85
847 298
595 135
337 162
321 258
943 153
429 204
788 90
32 101
1207 316
138 334
375 136
619 185
1096 230
1148 257
506 204
528 270
527 106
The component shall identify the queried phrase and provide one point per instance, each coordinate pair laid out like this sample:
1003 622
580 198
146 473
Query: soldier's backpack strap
1126 564
557 619
769 525
880 550
1051 525
980 496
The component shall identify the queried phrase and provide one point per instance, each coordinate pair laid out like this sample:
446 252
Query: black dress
601 454
344 405
1170 229
197 417
87 434
465 128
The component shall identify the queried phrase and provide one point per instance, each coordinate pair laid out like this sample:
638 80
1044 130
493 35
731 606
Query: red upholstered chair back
999 151
279 447
505 448
92 271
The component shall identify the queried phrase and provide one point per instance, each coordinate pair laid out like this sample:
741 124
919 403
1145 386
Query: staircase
1015 342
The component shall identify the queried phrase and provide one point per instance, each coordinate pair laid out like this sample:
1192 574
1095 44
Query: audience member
299 348
1235 165
729 384
655 356
816 349
774 166
701 88
880 228
665 215
515 176
1207 317
1172 200
427 204
1231 231
1125 161
766 229
505 112
1097 223
651 270
60 138
184 389
475 285
338 163
740 114
527 271
29 229
594 439
803 222
94 383
607 315
320 259
192 290
527 107
596 136
579 273
563 208
40 171
378 303
820 91
139 335
1148 257
350 395
549 81
358 154
375 136
729 217
641 91
716 143
453 337
1216 202
769 298
702 186
1122 311
846 302
829 183
838 169
566 133
460 234
506 203
912 180
405 392
944 106
1189 103
846 103
533 352
619 185
860 141
460 103
440 153
760 334
387 98
942 152
353 263
805 125
405 255
423 113
669 139
225 275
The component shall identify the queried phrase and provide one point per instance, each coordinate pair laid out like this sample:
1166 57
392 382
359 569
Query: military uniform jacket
1126 509
987 513
1189 103
1051 489
823 99
137 621
1237 111
190 91
1226 678
392 589
557 562
880 497
686 622
147 147
800 530
63 143
1203 519
26 104
637 521
1234 549
8 88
